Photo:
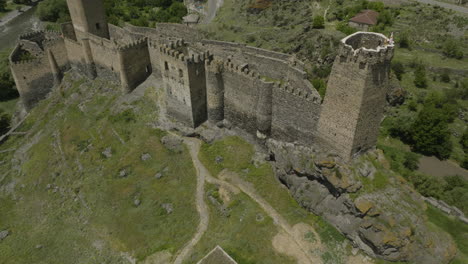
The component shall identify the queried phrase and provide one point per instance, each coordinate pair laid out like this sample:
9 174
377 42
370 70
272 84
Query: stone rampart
135 64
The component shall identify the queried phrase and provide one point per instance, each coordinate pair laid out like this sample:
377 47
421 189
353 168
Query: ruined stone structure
262 92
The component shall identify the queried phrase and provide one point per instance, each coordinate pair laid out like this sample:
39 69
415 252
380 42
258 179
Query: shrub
343 27
411 161
53 11
398 68
318 22
452 49
445 77
320 85
420 79
404 41
4 122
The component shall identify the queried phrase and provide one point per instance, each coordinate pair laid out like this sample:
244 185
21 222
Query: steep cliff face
368 203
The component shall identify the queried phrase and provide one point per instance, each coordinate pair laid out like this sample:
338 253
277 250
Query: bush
404 41
452 49
3 5
343 27
320 85
318 22
445 77
411 161
420 79
53 11
7 84
398 68
4 122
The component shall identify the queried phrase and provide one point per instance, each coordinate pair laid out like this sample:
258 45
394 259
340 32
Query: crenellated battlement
308 96
134 45
366 47
242 70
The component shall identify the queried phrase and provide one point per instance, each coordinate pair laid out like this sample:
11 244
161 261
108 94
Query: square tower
355 100
89 16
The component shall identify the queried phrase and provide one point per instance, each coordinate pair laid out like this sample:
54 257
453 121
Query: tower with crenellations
353 107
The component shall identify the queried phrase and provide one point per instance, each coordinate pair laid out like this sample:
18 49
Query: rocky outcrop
385 220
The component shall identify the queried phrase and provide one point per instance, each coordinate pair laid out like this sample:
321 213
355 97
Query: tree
430 134
420 76
3 5
464 141
398 68
53 11
318 22
445 77
452 49
404 41
4 122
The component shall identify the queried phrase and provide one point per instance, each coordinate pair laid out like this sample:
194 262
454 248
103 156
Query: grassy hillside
80 186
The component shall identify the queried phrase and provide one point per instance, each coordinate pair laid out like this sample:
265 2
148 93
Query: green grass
243 236
9 106
457 229
237 156
91 216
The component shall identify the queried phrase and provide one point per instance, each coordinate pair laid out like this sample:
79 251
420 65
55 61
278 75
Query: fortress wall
59 51
197 82
36 36
240 97
121 35
68 31
34 80
135 64
295 115
272 65
105 56
175 75
155 58
214 90
165 31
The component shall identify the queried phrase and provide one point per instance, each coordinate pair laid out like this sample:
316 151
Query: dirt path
202 208
232 182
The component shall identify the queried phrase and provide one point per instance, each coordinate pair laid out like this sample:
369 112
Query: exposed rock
4 234
388 223
158 175
145 156
39 246
173 143
137 202
219 159
168 207
367 170
107 152
123 173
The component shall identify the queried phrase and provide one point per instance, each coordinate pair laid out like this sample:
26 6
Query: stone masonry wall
135 64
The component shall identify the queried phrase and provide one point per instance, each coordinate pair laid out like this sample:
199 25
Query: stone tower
354 104
89 16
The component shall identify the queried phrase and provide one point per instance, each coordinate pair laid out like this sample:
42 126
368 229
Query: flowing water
24 23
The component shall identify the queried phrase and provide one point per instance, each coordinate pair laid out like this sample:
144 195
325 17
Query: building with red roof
362 21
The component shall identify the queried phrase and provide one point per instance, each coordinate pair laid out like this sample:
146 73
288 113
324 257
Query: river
26 22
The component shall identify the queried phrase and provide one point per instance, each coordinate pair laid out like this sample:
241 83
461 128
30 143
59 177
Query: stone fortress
262 92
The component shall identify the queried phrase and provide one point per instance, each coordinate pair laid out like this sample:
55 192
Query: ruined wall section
135 64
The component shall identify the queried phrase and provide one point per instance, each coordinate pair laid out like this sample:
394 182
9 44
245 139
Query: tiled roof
368 17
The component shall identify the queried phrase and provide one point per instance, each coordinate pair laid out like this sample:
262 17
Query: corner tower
355 100
89 16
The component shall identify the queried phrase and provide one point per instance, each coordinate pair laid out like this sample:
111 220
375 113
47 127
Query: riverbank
22 23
